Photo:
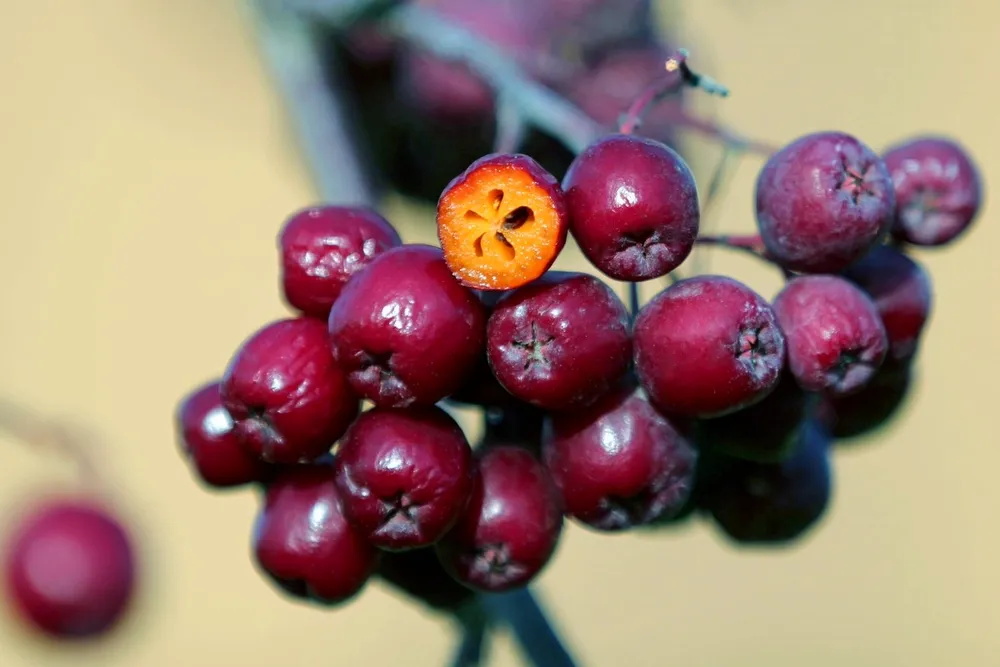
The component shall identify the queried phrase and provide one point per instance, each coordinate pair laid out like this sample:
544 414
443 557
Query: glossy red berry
511 526
633 207
303 541
901 291
766 431
938 190
208 441
619 464
405 475
323 246
559 342
706 346
835 337
405 331
70 568
288 398
767 503
823 201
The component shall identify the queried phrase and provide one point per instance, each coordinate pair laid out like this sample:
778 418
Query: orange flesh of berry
499 228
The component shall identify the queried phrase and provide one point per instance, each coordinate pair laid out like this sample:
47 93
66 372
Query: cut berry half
502 222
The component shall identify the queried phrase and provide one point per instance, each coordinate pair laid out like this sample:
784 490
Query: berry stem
678 76
633 300
750 243
475 626
537 105
530 625
44 434
302 71
510 127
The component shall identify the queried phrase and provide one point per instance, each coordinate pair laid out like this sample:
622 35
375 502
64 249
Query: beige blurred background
145 166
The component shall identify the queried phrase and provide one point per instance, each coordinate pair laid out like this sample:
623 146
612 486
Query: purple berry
209 442
405 475
938 190
633 207
901 291
511 526
405 330
619 464
288 399
303 541
766 503
835 337
823 201
766 431
706 346
559 342
70 568
322 247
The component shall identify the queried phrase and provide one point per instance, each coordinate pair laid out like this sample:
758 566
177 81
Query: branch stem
530 624
290 43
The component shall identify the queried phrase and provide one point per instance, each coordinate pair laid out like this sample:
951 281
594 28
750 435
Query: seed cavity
518 217
506 248
496 198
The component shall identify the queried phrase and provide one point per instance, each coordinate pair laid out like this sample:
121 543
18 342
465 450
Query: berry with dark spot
938 190
70 568
511 526
769 503
288 398
633 207
619 463
766 431
207 439
405 475
823 201
322 247
707 346
305 544
901 291
560 342
835 337
405 331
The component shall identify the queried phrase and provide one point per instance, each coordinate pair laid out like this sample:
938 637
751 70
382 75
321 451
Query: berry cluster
709 400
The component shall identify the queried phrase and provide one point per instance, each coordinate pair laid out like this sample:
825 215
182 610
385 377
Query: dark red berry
901 291
70 568
405 330
834 334
288 398
874 407
823 201
323 246
706 346
766 431
303 541
511 526
405 475
560 342
619 464
938 190
419 574
633 207
767 503
209 442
